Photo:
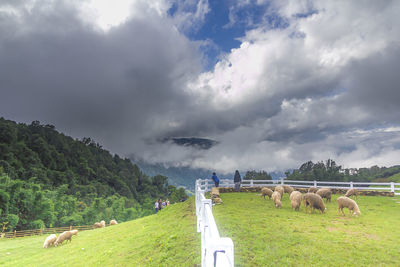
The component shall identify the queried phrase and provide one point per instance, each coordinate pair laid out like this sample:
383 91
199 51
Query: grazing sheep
345 202
276 197
113 222
74 232
217 200
49 241
314 201
214 192
288 189
325 193
96 225
351 192
312 189
103 224
67 235
295 199
265 191
280 189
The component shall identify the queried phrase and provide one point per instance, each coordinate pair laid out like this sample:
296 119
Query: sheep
288 189
74 232
67 235
217 200
325 193
276 197
280 189
312 189
345 202
351 192
49 241
265 191
96 225
113 222
295 199
103 224
314 201
214 192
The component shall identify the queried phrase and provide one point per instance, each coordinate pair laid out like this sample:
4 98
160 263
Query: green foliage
49 179
254 175
11 221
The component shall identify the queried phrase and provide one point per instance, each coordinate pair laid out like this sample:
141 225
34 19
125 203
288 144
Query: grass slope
266 236
166 239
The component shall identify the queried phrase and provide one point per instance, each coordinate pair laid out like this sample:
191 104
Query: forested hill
41 168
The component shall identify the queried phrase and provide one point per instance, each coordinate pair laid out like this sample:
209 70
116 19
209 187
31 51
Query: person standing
156 207
167 202
237 180
215 179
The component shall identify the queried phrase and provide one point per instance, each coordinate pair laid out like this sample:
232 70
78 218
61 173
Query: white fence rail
392 187
215 250
206 184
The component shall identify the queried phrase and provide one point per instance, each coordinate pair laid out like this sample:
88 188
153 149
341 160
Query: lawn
266 236
166 239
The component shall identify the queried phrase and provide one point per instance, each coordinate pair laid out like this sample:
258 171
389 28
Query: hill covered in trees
330 171
49 179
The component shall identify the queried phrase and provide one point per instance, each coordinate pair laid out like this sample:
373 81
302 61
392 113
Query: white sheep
280 189
49 241
67 235
312 189
288 189
295 199
103 224
313 201
351 192
276 197
265 191
97 225
113 222
325 193
345 202
74 232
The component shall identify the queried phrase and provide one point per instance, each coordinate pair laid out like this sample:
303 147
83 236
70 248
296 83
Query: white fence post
392 186
215 251
251 182
281 181
315 183
206 186
351 185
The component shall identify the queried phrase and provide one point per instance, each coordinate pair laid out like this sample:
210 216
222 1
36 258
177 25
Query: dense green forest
330 171
49 179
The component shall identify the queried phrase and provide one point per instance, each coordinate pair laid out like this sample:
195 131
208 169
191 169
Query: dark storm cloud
272 103
89 83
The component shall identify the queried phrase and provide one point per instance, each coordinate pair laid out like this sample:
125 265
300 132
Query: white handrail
215 250
392 187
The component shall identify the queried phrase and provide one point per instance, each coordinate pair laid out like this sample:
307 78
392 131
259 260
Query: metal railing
215 250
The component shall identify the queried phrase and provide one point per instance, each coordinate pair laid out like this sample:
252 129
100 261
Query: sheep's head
357 213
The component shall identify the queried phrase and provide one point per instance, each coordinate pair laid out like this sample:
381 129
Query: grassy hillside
166 239
266 236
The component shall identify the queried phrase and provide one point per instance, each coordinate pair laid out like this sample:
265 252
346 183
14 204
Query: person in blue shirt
215 179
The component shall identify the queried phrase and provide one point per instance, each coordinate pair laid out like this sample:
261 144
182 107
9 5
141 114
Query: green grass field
262 236
266 236
166 239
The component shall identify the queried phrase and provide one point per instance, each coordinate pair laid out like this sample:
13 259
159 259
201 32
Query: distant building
350 171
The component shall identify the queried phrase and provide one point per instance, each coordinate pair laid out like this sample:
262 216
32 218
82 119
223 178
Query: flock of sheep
312 199
53 240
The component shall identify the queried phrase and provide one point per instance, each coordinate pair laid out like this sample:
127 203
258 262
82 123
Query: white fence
215 250
206 184
392 187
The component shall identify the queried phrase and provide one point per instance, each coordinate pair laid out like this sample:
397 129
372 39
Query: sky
274 83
